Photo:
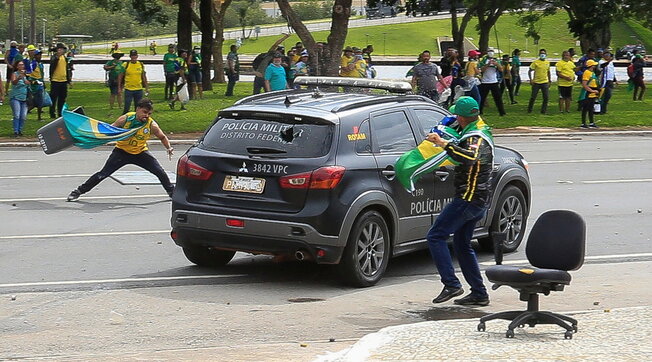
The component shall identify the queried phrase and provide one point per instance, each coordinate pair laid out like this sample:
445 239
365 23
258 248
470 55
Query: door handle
389 172
443 175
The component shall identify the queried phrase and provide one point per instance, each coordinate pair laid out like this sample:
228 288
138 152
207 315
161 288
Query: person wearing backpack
133 81
113 70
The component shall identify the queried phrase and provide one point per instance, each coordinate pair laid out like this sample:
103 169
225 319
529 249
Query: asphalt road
101 277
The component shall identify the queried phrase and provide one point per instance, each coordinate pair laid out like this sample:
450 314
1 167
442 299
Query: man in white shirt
490 66
607 80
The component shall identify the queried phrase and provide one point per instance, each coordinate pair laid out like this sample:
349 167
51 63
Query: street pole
44 21
12 21
22 28
384 49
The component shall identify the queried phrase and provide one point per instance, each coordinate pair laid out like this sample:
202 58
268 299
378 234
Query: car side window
363 138
392 133
428 118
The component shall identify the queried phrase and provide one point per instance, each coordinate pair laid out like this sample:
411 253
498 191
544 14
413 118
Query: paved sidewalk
617 335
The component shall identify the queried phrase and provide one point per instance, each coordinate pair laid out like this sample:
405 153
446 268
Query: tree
458 28
488 12
184 24
12 21
219 11
32 22
206 15
335 41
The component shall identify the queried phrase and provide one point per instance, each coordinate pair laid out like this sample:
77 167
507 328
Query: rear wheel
209 257
366 254
509 218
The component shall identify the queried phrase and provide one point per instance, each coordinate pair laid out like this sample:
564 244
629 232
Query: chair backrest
557 241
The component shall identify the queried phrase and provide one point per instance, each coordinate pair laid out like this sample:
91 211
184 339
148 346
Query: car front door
392 136
444 190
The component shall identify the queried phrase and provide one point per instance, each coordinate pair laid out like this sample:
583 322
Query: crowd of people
483 74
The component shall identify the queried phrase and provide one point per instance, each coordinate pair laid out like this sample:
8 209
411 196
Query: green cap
465 107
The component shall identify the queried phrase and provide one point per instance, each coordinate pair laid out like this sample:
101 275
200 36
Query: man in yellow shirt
132 150
134 80
347 64
541 80
565 75
60 78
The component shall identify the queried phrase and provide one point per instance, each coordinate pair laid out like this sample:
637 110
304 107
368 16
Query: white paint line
122 280
75 235
585 161
63 198
41 176
594 257
17 161
617 181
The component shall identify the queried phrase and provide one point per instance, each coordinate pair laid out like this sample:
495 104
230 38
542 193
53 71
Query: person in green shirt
540 81
516 68
113 69
171 70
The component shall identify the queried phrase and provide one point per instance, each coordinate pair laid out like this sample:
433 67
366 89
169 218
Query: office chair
555 246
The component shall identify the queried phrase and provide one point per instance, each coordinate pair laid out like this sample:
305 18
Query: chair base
531 317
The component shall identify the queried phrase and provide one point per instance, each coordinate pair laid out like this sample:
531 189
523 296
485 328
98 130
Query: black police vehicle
310 174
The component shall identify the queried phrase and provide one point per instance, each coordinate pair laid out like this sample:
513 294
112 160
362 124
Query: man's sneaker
593 125
447 293
472 300
584 126
74 195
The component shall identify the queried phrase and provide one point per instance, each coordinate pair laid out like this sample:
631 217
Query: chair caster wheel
568 335
574 328
509 333
481 327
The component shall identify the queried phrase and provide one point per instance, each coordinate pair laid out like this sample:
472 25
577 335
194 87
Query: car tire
509 217
367 251
208 257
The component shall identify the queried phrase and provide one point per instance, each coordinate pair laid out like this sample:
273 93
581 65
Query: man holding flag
474 155
132 150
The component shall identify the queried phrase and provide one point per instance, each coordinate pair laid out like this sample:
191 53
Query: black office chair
555 246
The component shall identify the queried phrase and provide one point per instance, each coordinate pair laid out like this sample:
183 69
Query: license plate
252 185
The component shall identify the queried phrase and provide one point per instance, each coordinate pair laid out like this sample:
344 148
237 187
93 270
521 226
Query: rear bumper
258 236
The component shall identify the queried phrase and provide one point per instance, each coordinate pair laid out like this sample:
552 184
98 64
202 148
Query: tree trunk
595 40
458 29
302 31
337 37
11 31
485 33
206 10
32 22
487 18
184 25
219 10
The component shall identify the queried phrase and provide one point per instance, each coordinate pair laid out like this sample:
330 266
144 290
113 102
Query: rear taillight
323 178
191 170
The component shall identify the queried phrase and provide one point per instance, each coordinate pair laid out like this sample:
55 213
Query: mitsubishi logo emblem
243 169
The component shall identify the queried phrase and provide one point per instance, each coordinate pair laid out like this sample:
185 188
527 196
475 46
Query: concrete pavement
610 301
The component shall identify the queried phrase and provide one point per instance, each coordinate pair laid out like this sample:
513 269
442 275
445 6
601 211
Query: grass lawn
93 96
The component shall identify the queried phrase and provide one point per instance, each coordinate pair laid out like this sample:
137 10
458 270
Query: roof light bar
392 86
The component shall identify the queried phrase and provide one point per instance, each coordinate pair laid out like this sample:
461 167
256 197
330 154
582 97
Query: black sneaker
593 125
447 293
74 195
584 126
472 300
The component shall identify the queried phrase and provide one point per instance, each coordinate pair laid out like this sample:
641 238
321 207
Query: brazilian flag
88 132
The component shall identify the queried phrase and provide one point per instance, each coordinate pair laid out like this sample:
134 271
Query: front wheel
208 257
366 254
510 218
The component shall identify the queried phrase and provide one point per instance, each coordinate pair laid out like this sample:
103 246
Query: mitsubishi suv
309 174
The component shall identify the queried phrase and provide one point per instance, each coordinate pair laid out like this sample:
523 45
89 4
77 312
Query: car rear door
392 136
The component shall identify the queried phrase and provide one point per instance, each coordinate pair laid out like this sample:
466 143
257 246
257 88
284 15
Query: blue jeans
458 218
19 111
132 95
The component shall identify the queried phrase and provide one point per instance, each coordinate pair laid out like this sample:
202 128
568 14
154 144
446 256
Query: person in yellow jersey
60 78
347 64
565 76
590 93
132 150
133 80
541 80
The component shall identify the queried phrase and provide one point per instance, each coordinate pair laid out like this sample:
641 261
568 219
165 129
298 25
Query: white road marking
63 198
75 235
595 257
617 181
586 161
40 176
122 280
17 161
